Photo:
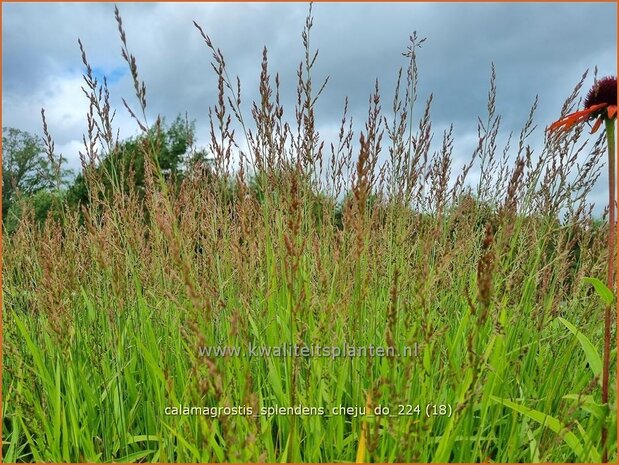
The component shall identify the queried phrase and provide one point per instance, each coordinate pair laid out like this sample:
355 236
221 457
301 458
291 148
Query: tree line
30 182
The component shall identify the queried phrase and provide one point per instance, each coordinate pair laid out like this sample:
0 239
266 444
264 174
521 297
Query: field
431 317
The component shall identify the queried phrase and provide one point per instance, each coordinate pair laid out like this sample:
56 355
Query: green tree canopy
124 167
25 168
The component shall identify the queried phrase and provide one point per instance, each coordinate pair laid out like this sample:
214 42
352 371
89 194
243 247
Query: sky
537 48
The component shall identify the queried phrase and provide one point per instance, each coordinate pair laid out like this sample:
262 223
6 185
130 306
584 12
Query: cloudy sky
537 48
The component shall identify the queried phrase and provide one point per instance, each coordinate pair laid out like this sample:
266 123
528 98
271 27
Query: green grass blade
593 358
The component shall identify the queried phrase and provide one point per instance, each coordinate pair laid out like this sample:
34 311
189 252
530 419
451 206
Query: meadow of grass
375 239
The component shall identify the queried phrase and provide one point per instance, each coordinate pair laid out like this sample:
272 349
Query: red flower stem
610 281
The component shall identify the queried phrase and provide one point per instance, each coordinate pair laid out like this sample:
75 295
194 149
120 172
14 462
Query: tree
25 168
43 204
124 167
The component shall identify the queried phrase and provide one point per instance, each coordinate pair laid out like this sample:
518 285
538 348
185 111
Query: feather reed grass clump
133 327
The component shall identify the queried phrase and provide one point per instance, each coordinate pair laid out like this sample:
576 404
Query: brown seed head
603 91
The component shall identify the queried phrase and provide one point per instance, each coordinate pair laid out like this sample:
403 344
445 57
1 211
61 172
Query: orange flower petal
597 107
568 121
574 118
612 111
597 125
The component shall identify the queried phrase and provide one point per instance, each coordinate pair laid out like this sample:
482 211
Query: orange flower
601 103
